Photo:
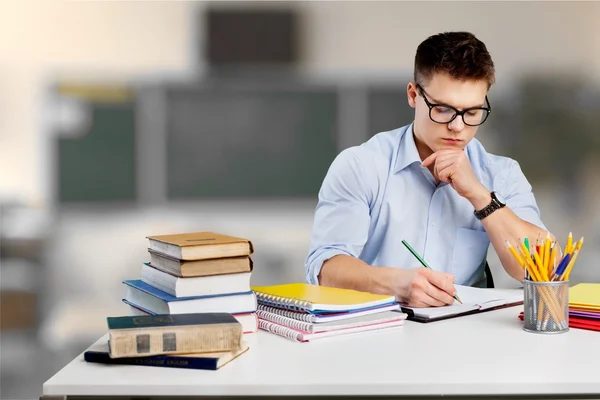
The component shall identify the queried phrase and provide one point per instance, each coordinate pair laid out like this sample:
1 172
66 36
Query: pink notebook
306 333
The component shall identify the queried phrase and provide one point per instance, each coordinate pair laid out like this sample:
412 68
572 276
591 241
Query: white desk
477 355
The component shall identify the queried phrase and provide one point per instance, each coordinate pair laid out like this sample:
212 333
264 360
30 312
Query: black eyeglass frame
487 109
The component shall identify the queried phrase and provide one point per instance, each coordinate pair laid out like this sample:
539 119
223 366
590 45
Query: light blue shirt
377 194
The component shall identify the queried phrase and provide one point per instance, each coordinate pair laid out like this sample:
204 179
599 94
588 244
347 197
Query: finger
443 156
419 304
450 277
439 280
445 175
429 160
433 157
442 164
440 295
429 301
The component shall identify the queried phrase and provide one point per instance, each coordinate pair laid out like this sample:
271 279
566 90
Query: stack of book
584 306
196 341
201 272
303 312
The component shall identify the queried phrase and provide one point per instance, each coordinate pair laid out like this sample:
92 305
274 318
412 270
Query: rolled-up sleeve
342 216
519 196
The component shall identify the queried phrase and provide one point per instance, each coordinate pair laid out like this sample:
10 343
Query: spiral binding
277 329
300 316
285 321
282 302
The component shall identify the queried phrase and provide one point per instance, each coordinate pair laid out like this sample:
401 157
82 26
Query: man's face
444 90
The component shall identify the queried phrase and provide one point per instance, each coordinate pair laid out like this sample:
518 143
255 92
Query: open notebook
474 300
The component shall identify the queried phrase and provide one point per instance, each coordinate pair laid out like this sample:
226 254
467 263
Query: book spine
155 361
278 329
300 316
174 340
285 321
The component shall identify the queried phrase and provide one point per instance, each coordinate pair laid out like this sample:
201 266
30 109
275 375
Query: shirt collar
407 151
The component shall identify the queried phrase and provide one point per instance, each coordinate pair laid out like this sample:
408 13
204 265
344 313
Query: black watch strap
494 205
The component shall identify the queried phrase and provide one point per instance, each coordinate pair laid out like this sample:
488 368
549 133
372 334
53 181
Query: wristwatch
496 204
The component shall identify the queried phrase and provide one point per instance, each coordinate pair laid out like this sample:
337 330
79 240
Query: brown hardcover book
200 245
191 268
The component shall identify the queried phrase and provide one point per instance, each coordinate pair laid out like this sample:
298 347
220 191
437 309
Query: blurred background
120 120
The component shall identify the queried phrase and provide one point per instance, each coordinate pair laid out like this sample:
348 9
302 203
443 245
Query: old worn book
200 245
208 267
134 336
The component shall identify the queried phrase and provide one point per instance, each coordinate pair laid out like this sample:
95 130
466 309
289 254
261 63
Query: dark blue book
212 361
153 321
147 335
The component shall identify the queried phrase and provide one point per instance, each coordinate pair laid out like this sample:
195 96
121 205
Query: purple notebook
584 314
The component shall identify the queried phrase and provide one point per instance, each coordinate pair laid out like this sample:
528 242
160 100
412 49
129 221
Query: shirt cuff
313 268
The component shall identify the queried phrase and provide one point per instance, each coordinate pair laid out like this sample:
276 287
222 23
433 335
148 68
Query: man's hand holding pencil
424 287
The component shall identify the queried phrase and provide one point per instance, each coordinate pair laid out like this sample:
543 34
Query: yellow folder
585 295
314 297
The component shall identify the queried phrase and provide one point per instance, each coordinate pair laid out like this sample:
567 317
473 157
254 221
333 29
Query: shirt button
433 223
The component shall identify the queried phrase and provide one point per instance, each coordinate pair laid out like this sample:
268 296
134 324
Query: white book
195 286
150 298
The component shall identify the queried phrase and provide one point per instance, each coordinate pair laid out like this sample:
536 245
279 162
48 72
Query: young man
429 183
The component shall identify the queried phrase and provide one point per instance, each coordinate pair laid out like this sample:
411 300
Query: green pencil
418 257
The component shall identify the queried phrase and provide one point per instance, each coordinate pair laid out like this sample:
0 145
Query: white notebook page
472 298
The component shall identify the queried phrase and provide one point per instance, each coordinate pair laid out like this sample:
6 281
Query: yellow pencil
530 266
546 258
515 254
569 243
550 301
540 266
573 259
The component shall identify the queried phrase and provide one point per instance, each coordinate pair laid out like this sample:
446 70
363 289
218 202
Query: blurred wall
42 40
76 275
520 35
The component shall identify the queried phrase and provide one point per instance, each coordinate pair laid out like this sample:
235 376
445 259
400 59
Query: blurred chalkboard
100 164
249 142
388 108
250 36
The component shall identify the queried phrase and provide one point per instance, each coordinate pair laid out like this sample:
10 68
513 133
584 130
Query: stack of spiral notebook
303 312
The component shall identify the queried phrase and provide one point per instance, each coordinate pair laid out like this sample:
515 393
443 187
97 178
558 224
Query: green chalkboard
258 142
99 165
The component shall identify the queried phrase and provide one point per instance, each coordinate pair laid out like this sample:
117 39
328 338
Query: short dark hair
459 54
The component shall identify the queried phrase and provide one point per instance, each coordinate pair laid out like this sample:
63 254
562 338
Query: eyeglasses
444 114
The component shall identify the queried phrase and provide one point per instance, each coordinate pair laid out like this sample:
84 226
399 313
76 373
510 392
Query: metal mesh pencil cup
546 306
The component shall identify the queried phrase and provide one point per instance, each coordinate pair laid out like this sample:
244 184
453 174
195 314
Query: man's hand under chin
453 167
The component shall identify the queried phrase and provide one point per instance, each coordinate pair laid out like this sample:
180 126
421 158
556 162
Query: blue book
159 302
146 335
99 353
